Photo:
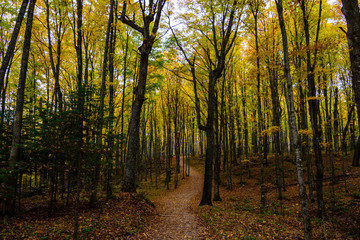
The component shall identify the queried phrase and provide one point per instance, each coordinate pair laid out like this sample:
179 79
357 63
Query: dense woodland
98 97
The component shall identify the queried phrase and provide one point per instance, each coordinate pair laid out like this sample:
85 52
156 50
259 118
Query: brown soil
177 217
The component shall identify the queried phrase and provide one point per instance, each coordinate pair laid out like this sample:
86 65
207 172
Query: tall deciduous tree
293 127
216 68
18 118
313 102
150 17
352 14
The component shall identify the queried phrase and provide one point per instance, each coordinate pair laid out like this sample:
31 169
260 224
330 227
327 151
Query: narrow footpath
176 218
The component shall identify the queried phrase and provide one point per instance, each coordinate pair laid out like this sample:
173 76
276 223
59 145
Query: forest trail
176 218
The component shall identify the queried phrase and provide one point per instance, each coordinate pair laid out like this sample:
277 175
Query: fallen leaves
120 218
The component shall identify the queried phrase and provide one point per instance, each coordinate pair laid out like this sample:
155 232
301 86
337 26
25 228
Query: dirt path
176 219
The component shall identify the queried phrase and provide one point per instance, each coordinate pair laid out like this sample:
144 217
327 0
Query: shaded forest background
99 97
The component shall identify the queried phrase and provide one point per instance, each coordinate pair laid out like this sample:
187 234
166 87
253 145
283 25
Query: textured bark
217 163
351 12
293 128
152 16
276 107
18 117
210 136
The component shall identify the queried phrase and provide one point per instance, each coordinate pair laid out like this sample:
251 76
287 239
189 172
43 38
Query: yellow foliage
305 132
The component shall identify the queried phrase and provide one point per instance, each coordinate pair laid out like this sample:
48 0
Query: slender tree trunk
12 44
276 123
260 139
177 138
314 110
55 68
78 36
336 120
293 128
122 147
305 143
109 161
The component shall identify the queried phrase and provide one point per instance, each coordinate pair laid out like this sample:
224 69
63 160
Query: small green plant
247 200
340 207
206 217
356 194
240 206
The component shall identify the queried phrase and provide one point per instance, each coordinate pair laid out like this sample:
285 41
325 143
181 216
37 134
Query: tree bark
293 128
314 109
18 117
351 12
78 36
155 10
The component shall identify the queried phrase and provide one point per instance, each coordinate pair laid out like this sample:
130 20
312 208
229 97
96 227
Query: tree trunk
12 44
314 110
210 137
153 16
276 107
78 36
293 128
18 117
336 120
351 12
109 157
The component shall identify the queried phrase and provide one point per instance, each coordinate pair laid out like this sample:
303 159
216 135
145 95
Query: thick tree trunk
351 12
18 117
129 184
210 137
151 16
217 163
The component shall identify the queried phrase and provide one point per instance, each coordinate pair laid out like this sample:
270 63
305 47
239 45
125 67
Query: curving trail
176 219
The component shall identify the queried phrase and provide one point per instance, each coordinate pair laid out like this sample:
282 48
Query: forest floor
170 214
238 215
157 213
